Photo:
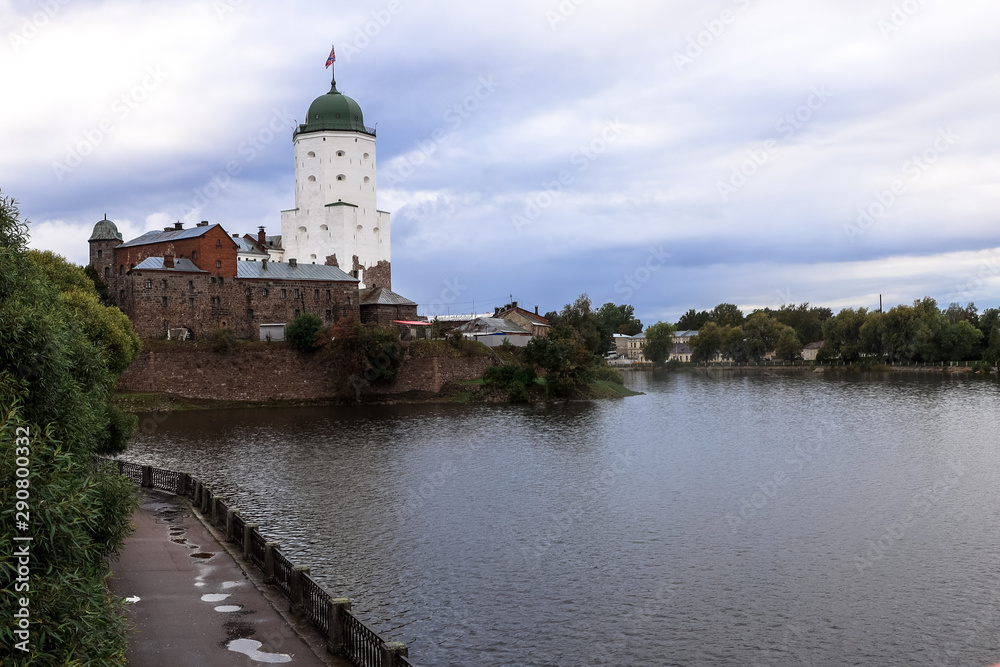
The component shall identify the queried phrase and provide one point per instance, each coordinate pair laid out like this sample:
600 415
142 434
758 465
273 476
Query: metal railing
346 634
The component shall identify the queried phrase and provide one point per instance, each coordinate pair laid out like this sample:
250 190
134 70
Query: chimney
236 236
261 238
178 225
203 223
536 310
168 261
168 229
292 263
263 265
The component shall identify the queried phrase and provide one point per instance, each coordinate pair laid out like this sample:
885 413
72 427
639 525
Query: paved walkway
195 604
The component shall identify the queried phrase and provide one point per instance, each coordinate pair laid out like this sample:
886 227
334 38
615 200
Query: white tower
335 220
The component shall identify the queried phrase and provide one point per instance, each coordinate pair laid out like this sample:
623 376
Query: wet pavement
192 604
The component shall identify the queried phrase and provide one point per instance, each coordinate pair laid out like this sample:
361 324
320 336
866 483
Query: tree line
922 332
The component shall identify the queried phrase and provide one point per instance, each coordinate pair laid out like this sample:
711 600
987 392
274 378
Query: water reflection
714 520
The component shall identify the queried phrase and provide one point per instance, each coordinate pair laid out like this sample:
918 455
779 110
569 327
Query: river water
712 521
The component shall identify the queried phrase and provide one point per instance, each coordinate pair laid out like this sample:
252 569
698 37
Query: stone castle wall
266 373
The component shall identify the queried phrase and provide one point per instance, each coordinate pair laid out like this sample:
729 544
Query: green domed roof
105 230
334 111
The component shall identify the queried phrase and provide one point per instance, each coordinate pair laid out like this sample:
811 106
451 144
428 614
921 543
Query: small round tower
103 241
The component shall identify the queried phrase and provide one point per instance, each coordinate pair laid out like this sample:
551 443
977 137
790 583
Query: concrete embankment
192 604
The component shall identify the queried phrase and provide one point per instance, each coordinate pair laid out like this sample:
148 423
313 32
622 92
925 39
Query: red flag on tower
332 59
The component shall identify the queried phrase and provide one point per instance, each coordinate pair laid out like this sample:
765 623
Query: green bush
223 341
60 352
513 379
304 333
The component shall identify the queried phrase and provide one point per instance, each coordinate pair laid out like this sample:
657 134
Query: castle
192 282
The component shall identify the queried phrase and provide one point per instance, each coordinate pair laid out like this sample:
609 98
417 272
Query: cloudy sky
665 154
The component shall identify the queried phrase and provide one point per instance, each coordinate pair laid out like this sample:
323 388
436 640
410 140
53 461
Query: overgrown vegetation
366 353
511 380
60 353
306 333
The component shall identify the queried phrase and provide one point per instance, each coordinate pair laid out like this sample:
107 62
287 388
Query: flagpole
333 66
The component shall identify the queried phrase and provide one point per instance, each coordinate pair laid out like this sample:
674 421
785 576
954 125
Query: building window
221 280
311 179
121 269
213 280
296 312
249 313
315 295
191 301
311 154
218 243
149 284
107 271
121 295
163 301
263 292
296 292
164 283
284 293
341 177
218 264
329 314
194 254
328 295
340 153
99 253
249 292
191 285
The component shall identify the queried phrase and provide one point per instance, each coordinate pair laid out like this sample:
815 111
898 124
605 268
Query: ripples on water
713 521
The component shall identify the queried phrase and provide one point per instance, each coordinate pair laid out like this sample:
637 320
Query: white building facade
335 220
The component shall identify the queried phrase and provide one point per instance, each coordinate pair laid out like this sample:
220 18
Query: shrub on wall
304 333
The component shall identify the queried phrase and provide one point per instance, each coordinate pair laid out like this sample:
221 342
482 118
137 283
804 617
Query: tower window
340 153
99 253
312 179
194 254
366 156
341 177
311 154
367 179
107 271
218 264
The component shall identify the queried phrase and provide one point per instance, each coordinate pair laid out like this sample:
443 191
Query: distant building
493 331
810 351
532 322
681 352
634 347
685 336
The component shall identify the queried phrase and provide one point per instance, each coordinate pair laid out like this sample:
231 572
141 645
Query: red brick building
190 279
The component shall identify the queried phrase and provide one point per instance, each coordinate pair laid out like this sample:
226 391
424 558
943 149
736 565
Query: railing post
297 587
197 493
147 476
215 510
231 513
206 496
390 650
183 483
248 531
269 548
336 635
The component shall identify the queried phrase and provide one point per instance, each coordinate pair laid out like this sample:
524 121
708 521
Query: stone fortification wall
266 373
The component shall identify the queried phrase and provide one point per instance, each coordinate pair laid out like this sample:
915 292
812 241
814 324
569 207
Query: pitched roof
381 296
813 346
182 264
247 246
537 320
283 271
171 235
491 325
691 333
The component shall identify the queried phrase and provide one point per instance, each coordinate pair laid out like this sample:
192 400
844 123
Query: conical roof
105 230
